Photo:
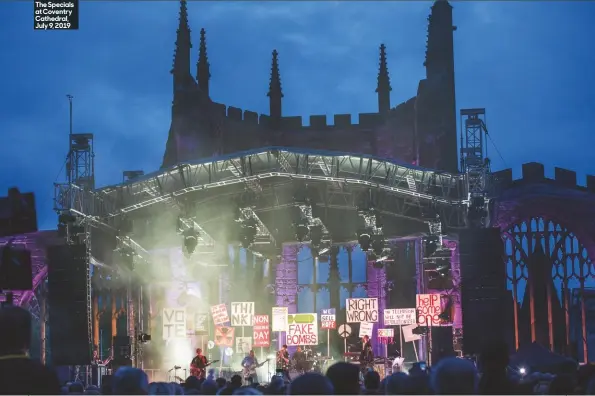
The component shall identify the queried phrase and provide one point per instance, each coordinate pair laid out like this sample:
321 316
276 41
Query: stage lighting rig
307 227
190 240
371 235
248 232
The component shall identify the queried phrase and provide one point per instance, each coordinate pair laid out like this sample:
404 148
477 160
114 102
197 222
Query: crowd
20 374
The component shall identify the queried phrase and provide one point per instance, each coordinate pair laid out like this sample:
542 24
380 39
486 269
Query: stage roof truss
403 180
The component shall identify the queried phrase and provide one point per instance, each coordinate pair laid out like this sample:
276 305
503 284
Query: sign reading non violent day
219 313
302 329
174 323
361 310
279 315
242 313
428 308
399 317
262 334
328 319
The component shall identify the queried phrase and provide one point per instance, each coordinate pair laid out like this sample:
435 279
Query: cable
496 148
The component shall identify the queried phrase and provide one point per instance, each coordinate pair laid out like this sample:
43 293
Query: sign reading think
302 329
328 319
243 345
174 323
219 313
279 319
366 329
428 309
262 334
361 310
242 313
399 317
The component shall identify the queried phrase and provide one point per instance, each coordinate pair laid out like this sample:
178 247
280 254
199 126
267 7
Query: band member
283 362
299 360
95 359
366 358
250 363
198 366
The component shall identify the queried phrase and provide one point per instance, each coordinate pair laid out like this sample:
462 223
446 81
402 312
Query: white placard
279 316
399 317
219 313
243 345
174 323
361 310
428 308
366 329
242 313
408 335
302 329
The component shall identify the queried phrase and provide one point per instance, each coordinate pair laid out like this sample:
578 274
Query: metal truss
403 180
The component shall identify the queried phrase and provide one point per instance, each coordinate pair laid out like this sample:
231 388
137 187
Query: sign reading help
366 329
428 309
243 345
399 317
361 310
224 336
242 313
219 313
328 319
280 318
302 329
174 323
262 334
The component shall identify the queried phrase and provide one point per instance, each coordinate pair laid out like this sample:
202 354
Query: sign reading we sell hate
428 308
361 310
174 323
242 313
302 329
328 319
262 334
399 317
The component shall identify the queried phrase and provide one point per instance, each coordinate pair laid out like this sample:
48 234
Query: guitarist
250 364
283 362
198 366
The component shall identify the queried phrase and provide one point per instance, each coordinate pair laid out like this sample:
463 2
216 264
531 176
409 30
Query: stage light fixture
190 240
301 230
364 239
378 244
430 245
248 232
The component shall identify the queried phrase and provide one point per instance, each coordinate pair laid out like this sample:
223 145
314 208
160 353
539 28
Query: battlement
534 172
342 121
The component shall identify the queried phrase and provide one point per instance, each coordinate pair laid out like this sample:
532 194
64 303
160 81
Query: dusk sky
529 63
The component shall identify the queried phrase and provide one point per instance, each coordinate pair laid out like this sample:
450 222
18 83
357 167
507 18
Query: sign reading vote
360 310
262 333
428 309
242 313
302 329
399 317
174 323
328 319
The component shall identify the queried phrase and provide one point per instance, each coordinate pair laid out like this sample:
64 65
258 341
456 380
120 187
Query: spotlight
430 245
378 245
364 239
248 232
523 371
316 236
190 240
301 230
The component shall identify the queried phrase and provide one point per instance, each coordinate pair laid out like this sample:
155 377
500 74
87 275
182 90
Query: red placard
262 333
224 336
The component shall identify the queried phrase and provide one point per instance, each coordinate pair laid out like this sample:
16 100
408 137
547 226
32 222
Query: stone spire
384 87
203 72
275 93
181 66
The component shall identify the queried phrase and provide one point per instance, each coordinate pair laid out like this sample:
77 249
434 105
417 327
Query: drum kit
314 362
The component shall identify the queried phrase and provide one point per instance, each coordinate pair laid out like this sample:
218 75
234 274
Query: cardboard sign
243 345
219 313
302 329
174 323
366 329
279 319
224 336
328 319
399 317
200 324
408 335
242 313
360 310
386 333
428 308
262 334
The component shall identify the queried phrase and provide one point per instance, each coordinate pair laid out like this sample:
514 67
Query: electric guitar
200 372
251 369
282 361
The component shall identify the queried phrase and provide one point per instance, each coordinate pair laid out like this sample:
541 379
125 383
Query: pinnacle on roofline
275 82
383 74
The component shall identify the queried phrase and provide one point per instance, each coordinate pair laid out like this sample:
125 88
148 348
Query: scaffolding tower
476 165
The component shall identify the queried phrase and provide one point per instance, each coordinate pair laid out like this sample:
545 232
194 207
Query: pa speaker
67 299
483 288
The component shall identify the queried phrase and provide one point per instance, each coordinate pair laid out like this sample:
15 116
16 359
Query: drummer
299 360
